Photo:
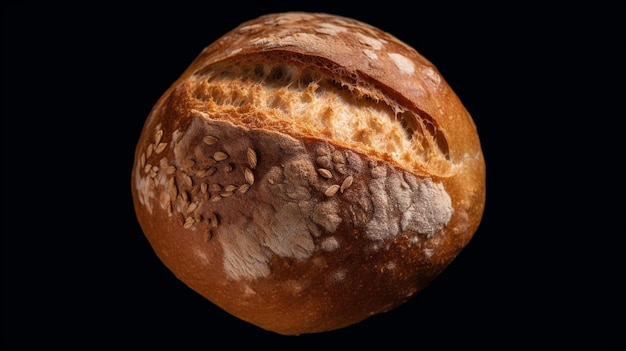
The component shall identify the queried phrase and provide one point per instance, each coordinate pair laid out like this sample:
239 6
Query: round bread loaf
308 171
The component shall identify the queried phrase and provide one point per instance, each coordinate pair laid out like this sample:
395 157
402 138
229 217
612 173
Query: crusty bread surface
308 171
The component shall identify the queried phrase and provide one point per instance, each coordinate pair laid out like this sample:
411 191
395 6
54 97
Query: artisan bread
308 171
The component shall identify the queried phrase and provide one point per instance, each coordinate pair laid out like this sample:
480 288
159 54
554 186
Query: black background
544 83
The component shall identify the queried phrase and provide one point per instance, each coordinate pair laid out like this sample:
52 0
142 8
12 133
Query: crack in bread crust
298 97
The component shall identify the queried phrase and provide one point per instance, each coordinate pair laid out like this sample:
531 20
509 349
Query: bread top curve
370 76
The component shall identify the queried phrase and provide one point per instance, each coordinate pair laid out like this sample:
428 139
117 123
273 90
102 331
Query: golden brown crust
251 199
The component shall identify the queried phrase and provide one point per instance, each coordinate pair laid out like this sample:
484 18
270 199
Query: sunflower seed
160 148
210 140
220 156
251 156
243 188
249 176
325 173
188 163
230 188
331 190
187 179
192 207
189 222
157 136
346 183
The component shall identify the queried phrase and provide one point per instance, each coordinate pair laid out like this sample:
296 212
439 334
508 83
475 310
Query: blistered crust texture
292 181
